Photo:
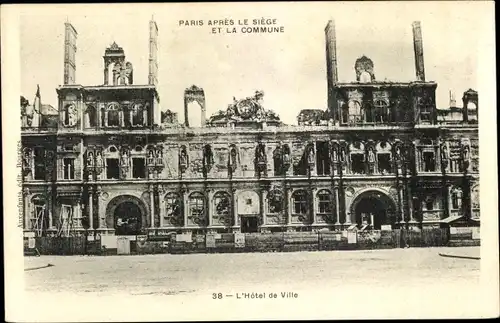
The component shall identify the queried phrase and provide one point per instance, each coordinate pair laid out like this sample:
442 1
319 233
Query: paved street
365 280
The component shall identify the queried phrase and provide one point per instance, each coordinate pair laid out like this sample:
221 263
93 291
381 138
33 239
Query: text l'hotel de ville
237 26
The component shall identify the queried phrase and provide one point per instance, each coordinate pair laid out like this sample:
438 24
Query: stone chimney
331 52
70 35
418 48
331 67
153 50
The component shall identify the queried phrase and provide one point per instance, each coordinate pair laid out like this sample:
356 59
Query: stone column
290 205
209 208
152 206
26 208
261 206
185 207
314 205
263 211
91 211
102 217
337 206
410 204
437 153
233 208
401 205
161 201
50 207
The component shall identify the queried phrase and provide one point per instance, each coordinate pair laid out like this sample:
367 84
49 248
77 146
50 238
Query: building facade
381 154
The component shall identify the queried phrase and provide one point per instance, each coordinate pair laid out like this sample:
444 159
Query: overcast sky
289 67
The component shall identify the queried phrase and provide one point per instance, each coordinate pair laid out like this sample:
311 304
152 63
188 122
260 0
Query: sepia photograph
247 161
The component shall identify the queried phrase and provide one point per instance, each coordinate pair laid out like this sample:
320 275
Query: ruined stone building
380 154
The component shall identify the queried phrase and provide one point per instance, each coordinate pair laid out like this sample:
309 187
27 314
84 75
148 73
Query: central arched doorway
373 208
127 215
127 219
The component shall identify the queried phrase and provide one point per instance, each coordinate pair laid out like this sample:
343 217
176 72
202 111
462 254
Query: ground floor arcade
160 208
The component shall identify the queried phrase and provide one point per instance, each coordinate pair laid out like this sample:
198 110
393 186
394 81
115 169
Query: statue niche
233 158
282 162
208 159
260 159
465 152
183 159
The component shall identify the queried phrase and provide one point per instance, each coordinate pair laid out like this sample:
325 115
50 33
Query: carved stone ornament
363 66
246 109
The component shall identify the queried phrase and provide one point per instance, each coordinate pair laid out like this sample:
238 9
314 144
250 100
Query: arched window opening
324 202
357 156
112 163
299 200
354 111
456 198
222 209
384 157
275 202
381 111
172 210
113 115
365 77
197 207
69 115
91 116
137 115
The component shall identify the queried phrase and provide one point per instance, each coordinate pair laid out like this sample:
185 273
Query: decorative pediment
194 88
249 109
114 49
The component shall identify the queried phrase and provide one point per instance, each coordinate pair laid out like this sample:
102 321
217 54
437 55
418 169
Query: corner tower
331 65
70 36
153 50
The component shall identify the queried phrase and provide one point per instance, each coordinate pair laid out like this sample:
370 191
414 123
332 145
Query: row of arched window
113 115
377 111
221 202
